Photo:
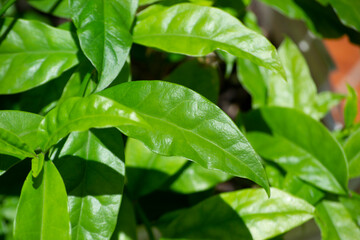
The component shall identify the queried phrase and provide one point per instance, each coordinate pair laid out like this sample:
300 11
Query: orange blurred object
347 59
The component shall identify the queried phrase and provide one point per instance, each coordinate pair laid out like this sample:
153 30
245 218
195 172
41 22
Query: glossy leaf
351 107
335 222
199 77
103 29
198 30
59 8
146 171
91 164
348 12
301 189
246 214
188 125
126 222
42 211
195 178
314 155
23 124
11 144
352 150
29 62
80 114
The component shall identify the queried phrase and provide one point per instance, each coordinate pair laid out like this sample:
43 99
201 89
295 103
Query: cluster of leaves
104 154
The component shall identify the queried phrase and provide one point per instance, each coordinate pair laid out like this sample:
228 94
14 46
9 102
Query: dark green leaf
29 62
348 12
91 164
246 214
199 77
42 211
351 107
198 30
304 147
146 171
58 8
275 175
352 150
104 34
335 222
188 125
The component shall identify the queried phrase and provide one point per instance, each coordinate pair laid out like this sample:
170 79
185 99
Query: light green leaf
335 222
351 107
195 178
198 30
59 8
348 12
187 125
314 155
126 222
91 164
352 150
301 189
201 78
11 144
37 164
246 214
29 62
324 102
146 171
352 204
42 211
104 34
274 173
23 124
80 114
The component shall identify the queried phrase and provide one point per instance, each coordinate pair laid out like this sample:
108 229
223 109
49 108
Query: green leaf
59 8
37 164
80 114
91 164
352 204
29 62
301 189
352 150
348 12
351 107
126 222
314 155
188 125
201 78
12 145
198 30
246 214
42 211
335 222
146 171
104 34
23 124
324 102
275 175
298 76
195 178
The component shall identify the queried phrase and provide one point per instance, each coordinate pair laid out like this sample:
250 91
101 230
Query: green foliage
86 152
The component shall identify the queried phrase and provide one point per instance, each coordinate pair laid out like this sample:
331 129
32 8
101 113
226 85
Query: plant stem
6 6
145 221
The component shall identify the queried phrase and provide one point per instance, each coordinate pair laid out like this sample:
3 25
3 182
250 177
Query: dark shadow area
115 143
253 121
210 219
7 162
12 181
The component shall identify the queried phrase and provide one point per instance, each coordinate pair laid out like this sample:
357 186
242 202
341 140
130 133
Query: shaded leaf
246 214
91 164
104 34
348 12
352 204
335 222
198 30
29 62
42 211
126 222
59 8
352 150
188 125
